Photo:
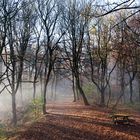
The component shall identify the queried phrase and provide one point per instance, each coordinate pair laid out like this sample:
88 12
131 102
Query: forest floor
74 121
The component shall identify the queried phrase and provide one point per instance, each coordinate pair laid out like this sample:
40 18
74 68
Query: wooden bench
122 119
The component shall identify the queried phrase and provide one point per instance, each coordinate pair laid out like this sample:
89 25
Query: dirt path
72 121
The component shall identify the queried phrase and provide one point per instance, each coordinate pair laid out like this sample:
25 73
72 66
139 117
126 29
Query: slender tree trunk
77 90
41 82
121 95
55 88
52 87
131 92
14 120
109 96
139 88
139 93
44 98
46 81
73 88
124 98
102 101
77 93
0 66
81 91
30 74
34 90
21 93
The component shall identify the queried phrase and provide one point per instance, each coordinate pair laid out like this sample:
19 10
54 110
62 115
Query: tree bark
81 91
34 90
73 88
14 120
102 101
131 92
139 88
44 98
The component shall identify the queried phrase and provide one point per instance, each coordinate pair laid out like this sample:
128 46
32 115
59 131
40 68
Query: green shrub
36 107
91 92
34 110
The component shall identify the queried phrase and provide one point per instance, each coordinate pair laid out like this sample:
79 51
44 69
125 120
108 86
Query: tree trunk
121 95
124 98
102 101
14 120
81 92
55 88
139 88
73 88
44 100
131 92
21 93
109 96
44 96
34 90
41 82
77 93
0 67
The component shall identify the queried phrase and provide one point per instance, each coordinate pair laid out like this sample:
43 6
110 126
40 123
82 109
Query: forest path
74 121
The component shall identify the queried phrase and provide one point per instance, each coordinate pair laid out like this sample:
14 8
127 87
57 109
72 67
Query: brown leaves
77 122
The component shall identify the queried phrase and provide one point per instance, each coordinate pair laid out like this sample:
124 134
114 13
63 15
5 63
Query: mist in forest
59 92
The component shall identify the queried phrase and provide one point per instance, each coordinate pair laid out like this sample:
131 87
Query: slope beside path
74 121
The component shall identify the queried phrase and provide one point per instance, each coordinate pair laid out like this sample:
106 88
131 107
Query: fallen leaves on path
72 121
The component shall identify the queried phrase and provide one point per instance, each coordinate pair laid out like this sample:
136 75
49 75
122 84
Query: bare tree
48 12
75 22
18 34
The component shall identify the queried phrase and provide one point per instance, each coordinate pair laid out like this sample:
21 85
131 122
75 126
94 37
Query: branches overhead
103 10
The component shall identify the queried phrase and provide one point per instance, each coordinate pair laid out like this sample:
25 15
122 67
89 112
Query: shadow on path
77 123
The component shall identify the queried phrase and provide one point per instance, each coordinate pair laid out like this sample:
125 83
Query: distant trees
127 55
101 64
75 20
71 38
134 32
